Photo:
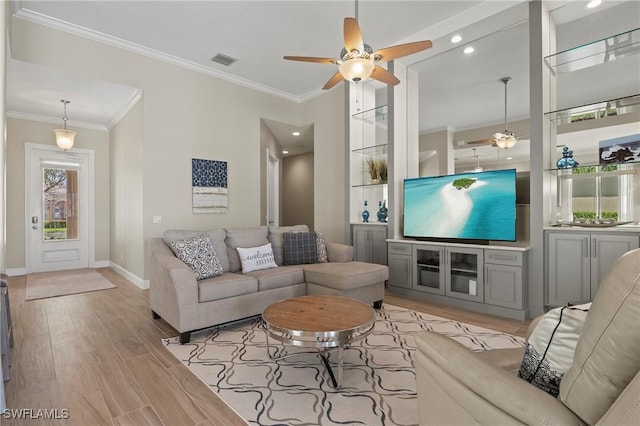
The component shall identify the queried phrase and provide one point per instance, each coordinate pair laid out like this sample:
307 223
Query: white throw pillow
256 258
550 348
198 253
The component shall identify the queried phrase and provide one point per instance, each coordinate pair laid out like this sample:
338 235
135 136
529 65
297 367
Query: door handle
585 247
34 221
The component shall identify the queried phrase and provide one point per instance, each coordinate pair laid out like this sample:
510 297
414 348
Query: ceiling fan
502 140
358 61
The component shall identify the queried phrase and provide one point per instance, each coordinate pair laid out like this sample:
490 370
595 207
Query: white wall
20 132
327 114
190 115
127 236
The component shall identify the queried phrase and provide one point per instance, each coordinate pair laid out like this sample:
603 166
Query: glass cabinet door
464 270
428 274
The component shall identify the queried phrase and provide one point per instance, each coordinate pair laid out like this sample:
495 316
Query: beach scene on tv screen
468 206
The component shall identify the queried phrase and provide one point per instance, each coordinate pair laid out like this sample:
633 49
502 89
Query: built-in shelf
595 170
369 185
372 150
377 115
596 52
596 110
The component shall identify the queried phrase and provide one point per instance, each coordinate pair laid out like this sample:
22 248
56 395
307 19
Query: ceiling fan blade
393 52
310 59
337 77
481 142
384 76
352 35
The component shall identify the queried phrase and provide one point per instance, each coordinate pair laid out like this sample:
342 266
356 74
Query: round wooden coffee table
320 322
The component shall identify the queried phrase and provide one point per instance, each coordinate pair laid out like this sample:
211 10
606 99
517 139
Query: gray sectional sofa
188 304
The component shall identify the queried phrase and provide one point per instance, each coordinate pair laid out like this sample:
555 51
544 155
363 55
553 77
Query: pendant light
505 140
64 137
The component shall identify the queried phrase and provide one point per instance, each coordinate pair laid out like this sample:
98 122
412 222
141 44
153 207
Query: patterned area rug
379 386
51 284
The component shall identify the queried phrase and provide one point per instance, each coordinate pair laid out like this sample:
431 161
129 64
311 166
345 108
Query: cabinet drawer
400 248
503 257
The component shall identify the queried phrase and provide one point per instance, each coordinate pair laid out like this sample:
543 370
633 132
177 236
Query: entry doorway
273 189
59 187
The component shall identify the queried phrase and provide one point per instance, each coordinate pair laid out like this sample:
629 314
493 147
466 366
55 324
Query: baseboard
101 264
139 282
14 272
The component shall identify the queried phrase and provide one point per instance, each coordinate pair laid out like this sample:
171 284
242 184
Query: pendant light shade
64 137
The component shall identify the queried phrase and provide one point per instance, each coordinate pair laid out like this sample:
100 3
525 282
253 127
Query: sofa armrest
173 288
339 252
481 381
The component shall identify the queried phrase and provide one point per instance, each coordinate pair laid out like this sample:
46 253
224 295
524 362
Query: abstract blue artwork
209 186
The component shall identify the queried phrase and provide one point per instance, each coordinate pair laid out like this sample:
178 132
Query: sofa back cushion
243 237
277 240
606 357
217 237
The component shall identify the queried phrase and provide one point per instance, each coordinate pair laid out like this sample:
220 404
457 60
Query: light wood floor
100 356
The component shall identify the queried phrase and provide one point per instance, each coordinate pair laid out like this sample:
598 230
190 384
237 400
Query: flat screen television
477 206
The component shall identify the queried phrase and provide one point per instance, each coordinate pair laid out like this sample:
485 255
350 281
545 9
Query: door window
60 204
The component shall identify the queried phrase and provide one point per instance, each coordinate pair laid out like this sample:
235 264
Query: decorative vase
567 161
382 211
365 212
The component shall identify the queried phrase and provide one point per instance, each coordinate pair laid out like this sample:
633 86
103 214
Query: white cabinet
370 243
578 261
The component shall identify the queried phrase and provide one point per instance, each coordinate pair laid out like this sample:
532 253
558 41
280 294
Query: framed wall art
209 186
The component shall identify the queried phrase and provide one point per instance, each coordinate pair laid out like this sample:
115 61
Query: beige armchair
460 387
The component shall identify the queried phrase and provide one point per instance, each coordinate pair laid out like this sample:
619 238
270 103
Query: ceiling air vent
223 59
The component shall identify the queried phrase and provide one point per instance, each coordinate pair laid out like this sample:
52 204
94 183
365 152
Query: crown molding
133 100
54 120
58 24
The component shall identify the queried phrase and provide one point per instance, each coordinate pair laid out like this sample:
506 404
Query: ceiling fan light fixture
506 141
356 69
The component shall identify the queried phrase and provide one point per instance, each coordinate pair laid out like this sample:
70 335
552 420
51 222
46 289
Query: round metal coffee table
319 322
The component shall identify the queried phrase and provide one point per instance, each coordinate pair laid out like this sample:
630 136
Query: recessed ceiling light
593 3
285 152
509 158
468 50
456 39
296 133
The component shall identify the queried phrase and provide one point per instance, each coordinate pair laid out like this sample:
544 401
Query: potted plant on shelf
372 167
382 170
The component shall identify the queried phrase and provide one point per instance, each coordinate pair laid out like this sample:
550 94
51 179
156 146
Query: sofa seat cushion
345 275
282 276
226 285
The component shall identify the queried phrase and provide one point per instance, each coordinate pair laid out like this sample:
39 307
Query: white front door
59 185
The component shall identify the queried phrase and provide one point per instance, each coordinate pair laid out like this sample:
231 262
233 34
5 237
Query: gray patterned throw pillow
300 248
198 253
